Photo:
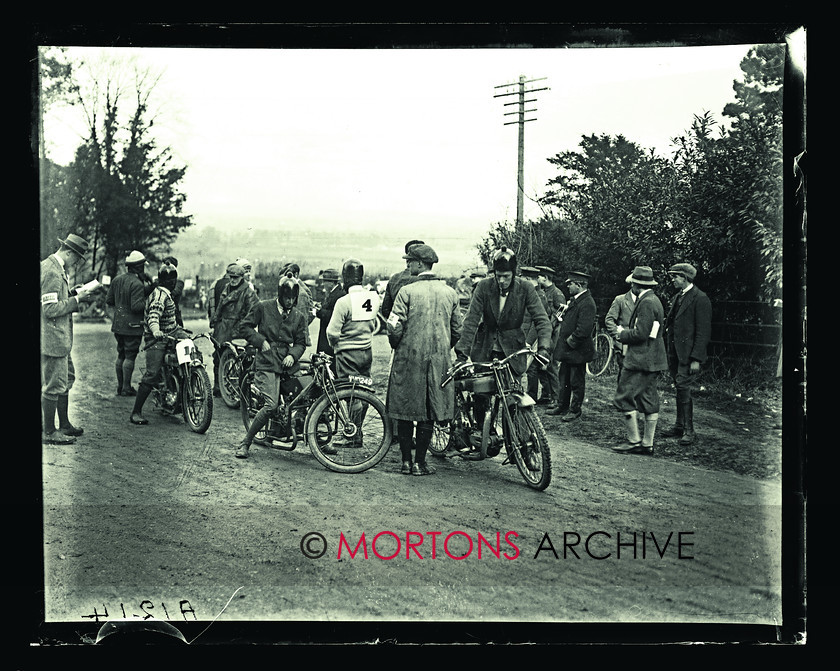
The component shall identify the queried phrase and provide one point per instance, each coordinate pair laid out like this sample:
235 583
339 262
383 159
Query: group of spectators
509 307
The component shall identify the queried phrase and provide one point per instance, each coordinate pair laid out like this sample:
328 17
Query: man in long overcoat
617 315
688 328
555 301
642 339
396 282
235 302
424 325
575 346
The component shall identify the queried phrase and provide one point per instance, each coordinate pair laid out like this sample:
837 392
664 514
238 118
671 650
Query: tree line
716 202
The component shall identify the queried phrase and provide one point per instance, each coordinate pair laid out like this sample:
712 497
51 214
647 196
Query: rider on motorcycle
499 304
159 321
278 331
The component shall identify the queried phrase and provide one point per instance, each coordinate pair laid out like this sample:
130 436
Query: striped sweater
159 313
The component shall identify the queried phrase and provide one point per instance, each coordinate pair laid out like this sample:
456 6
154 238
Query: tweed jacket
690 327
574 335
234 305
555 300
285 332
128 298
395 283
324 313
619 313
645 353
424 325
57 308
507 325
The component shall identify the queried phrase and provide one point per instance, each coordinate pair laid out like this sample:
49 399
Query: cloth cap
642 275
235 270
688 271
77 243
411 243
135 257
574 276
422 253
245 263
330 274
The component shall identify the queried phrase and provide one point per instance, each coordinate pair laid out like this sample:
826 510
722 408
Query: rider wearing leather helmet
278 331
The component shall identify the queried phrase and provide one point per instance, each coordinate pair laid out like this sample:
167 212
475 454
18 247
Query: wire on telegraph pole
521 120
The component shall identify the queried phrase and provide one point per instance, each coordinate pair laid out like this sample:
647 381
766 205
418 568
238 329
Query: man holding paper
644 358
58 303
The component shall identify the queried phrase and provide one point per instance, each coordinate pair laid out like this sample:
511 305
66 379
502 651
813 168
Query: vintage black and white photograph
484 337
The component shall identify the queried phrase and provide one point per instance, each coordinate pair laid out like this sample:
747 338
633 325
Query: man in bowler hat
574 346
58 303
688 328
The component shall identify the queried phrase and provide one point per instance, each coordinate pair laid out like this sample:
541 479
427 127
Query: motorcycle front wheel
533 458
197 399
354 424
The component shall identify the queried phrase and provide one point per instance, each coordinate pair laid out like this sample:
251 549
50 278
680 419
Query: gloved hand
157 335
543 357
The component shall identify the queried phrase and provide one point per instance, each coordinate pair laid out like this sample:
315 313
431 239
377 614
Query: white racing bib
364 305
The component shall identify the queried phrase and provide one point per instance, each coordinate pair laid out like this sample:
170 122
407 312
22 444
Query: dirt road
155 519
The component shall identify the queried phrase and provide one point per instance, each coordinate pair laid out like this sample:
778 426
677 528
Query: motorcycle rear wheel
197 400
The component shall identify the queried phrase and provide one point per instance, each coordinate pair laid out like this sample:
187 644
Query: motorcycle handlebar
495 363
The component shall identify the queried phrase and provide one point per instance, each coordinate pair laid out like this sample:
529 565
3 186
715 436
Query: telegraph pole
521 120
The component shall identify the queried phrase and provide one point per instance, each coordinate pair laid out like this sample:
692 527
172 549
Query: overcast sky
403 139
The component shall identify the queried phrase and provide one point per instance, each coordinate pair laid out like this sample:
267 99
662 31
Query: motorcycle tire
197 400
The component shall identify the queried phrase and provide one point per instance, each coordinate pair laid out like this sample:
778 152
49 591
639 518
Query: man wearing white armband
644 358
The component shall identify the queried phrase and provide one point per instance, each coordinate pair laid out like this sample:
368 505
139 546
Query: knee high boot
62 407
688 432
405 434
631 420
143 391
127 372
119 369
679 425
259 421
650 429
48 408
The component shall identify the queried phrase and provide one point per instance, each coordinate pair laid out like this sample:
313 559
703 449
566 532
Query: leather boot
127 372
688 433
678 427
64 425
119 369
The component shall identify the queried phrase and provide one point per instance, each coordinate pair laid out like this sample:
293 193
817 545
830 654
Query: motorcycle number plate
358 379
183 350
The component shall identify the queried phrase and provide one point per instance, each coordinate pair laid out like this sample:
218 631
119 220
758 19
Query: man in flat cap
642 340
127 295
574 346
58 303
532 381
423 326
396 281
688 328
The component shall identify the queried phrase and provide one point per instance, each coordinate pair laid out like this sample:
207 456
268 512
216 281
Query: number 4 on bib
365 305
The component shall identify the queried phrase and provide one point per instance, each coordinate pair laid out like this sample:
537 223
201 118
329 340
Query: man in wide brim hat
644 358
57 308
642 275
76 244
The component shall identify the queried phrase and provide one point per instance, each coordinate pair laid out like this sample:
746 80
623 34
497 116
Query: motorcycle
185 386
509 421
343 422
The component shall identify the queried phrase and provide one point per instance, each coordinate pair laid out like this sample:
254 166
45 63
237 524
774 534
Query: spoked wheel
229 373
354 424
197 400
603 355
250 402
533 458
440 439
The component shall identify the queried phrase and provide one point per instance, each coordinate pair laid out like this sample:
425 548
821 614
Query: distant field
205 252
